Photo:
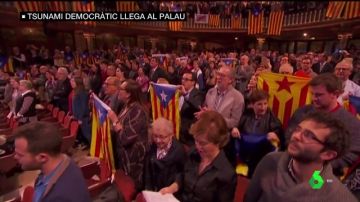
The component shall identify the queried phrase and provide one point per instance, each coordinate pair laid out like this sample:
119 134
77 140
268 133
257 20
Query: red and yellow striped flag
80 6
165 103
335 9
101 144
287 93
8 66
214 20
255 23
29 6
175 26
235 22
126 6
352 10
275 22
58 6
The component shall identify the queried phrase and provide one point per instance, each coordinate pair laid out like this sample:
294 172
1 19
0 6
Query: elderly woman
25 111
208 175
131 128
166 157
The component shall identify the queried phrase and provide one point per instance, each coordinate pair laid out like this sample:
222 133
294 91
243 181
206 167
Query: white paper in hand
151 196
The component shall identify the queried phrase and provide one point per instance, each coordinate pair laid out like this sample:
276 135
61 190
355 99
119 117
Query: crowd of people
219 105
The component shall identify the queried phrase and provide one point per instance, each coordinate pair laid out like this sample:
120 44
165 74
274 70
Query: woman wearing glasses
208 175
166 157
131 128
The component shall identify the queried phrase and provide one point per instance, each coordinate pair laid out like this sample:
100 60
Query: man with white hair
62 89
166 157
286 69
343 70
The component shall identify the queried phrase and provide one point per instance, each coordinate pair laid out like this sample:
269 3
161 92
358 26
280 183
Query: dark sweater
272 182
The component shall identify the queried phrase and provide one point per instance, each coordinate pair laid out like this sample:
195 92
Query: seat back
67 121
7 163
241 187
50 107
125 185
90 169
61 116
68 141
28 194
55 112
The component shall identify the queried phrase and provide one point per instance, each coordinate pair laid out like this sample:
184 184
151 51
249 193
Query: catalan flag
6 64
58 6
353 105
84 6
255 23
165 103
126 6
352 10
101 144
29 6
235 22
335 8
175 26
275 22
287 93
214 20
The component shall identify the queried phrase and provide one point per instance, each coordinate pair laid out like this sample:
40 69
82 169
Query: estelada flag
165 103
353 105
101 144
286 93
6 63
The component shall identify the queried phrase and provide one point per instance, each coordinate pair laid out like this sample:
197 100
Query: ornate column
89 38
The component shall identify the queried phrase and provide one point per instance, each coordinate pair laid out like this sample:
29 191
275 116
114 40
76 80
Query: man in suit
226 100
190 103
322 66
156 72
62 89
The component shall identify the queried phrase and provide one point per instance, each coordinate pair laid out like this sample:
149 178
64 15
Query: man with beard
287 176
38 147
325 89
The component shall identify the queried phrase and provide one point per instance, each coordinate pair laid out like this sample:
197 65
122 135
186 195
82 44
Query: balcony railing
290 20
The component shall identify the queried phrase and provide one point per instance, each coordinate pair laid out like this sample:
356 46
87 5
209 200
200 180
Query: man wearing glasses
325 89
190 103
226 100
343 70
287 176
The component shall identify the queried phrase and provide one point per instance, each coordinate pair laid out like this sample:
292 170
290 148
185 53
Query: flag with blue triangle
165 103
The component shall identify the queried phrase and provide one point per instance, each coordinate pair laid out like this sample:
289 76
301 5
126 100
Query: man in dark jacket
38 147
190 102
62 89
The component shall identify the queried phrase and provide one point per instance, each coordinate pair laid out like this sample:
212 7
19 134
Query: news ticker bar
103 16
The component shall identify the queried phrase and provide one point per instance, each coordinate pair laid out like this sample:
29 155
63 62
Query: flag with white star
101 145
165 103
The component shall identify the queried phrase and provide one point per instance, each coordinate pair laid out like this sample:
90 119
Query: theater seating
7 163
69 140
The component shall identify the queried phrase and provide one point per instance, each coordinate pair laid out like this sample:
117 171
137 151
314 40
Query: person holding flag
131 128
